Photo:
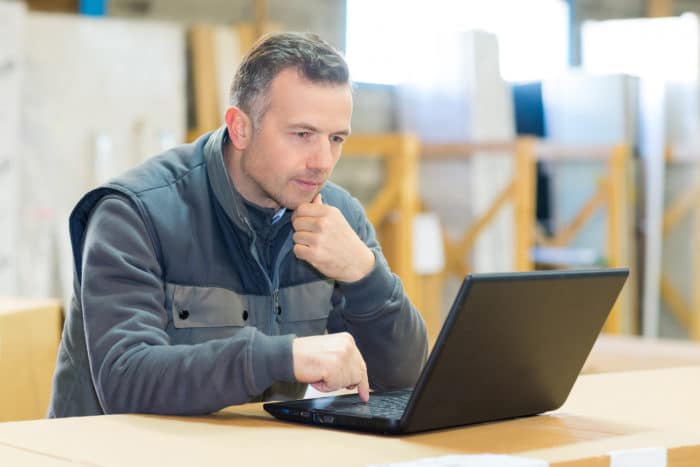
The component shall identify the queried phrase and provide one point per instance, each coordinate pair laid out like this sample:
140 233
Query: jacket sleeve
387 328
133 365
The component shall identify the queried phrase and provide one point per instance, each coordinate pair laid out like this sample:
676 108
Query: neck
233 160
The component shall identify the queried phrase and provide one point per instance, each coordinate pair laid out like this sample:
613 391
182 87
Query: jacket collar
229 199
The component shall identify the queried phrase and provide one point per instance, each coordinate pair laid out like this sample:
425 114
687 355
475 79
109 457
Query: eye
338 139
303 134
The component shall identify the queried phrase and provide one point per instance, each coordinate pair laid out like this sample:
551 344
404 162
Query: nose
322 157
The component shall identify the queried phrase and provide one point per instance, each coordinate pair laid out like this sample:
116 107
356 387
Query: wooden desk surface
605 413
626 353
663 398
10 456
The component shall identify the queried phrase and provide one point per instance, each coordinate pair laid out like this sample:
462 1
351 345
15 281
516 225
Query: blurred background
488 136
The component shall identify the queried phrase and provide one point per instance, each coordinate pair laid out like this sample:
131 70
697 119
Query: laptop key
390 404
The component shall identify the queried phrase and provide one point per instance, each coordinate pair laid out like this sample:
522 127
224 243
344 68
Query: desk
14 456
600 416
30 330
627 353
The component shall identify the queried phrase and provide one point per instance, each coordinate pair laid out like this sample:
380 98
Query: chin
298 203
291 203
295 198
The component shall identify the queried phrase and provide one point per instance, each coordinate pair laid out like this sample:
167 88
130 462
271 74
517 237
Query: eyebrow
307 126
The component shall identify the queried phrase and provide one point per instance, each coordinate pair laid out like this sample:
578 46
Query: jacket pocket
304 308
205 307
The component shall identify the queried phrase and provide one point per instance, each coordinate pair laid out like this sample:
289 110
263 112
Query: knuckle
348 340
298 251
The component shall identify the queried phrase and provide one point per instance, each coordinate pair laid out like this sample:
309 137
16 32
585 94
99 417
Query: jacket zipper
284 251
276 300
273 284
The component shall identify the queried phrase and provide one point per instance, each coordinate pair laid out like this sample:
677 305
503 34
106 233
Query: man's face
296 143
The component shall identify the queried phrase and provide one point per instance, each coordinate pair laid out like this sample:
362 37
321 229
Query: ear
239 127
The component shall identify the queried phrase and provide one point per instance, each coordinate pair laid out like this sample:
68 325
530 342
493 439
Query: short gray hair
311 56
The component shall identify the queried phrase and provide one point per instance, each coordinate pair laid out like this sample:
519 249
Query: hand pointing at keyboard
330 362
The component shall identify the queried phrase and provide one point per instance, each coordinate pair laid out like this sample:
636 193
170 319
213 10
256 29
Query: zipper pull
276 298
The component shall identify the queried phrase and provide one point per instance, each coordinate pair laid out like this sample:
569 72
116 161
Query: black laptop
511 346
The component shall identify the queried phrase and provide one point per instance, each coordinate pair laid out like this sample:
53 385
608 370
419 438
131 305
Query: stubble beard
277 197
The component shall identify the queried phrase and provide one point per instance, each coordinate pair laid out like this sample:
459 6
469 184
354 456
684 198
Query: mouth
308 185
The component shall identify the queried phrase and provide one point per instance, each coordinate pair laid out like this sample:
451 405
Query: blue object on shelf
93 7
529 109
529 120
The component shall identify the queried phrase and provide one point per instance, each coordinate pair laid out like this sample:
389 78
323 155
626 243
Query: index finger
363 386
309 210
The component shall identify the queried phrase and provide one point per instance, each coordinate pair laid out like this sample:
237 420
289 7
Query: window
661 48
388 40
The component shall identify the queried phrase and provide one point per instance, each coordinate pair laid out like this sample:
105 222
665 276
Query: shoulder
162 170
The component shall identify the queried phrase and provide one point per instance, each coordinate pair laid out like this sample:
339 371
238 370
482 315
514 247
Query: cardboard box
30 330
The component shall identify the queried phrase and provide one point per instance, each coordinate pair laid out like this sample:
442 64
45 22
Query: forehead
291 96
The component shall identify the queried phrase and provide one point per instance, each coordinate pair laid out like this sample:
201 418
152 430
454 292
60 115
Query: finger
310 210
318 199
302 251
304 238
320 386
307 224
363 386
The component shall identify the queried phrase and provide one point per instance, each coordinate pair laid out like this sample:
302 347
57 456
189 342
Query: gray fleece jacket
174 312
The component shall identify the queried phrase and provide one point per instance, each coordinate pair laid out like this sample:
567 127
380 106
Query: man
208 276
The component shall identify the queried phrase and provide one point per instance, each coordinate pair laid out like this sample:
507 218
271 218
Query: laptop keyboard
389 404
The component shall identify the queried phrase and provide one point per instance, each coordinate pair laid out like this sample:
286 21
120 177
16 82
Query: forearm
387 328
188 379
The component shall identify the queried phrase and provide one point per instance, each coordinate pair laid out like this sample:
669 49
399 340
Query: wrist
298 363
363 267
371 292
